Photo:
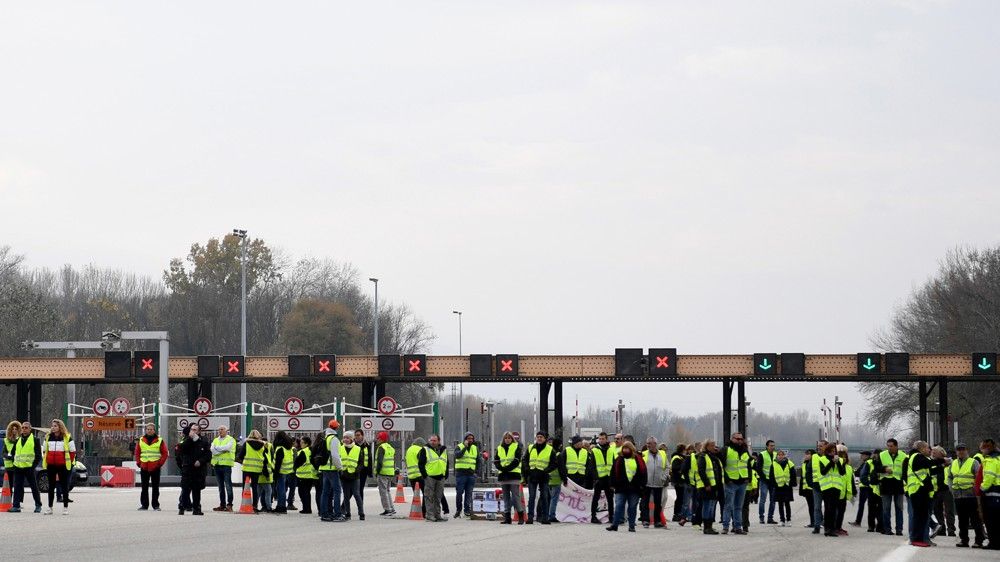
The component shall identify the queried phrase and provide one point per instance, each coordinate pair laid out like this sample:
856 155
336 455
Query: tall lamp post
375 280
461 389
242 235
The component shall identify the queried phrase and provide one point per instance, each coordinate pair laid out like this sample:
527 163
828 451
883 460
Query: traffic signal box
388 365
414 365
324 365
507 365
299 366
480 365
869 363
984 363
147 363
117 364
662 361
628 361
897 363
765 363
233 365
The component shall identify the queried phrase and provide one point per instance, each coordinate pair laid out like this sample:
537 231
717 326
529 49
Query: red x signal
324 366
414 366
234 366
147 364
506 365
663 362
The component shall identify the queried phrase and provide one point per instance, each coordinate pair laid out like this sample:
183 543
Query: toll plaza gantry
929 371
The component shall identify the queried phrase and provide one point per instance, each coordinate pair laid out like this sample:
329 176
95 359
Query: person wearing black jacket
539 461
679 479
508 464
24 474
806 486
366 457
920 462
628 478
831 495
305 477
602 458
195 457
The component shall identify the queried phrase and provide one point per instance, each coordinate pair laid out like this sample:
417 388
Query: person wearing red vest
150 455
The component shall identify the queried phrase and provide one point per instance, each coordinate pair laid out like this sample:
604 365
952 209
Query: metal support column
727 409
741 410
22 400
557 409
379 391
205 389
35 404
922 414
943 422
192 392
368 393
543 405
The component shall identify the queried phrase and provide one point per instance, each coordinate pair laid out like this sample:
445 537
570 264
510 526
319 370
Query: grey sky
723 177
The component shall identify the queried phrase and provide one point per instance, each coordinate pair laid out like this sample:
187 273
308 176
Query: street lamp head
373 279
240 233
458 312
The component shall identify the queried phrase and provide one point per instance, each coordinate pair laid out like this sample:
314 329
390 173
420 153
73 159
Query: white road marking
902 553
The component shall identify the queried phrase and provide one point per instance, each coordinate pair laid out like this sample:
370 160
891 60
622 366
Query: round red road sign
294 406
387 405
202 406
102 406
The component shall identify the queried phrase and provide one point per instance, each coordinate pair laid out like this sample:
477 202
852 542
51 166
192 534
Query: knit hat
334 424
383 436
469 434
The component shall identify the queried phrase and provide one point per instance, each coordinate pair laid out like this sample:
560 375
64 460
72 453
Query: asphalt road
103 524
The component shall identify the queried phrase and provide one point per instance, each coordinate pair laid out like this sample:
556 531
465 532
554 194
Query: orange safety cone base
400 496
6 500
415 512
246 503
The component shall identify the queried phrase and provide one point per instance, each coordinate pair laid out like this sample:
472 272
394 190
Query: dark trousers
679 502
423 509
24 476
921 514
944 508
746 511
888 502
841 513
149 480
968 516
191 497
538 500
656 495
58 474
784 510
305 487
254 487
603 485
184 501
991 517
696 500
864 497
292 484
809 504
352 490
831 501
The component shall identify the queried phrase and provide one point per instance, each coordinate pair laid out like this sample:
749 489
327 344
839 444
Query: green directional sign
765 363
984 363
869 363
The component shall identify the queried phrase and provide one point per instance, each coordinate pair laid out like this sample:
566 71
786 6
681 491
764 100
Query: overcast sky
720 177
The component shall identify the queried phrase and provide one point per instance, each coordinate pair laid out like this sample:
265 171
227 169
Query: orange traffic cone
246 504
523 514
652 514
400 497
5 498
415 512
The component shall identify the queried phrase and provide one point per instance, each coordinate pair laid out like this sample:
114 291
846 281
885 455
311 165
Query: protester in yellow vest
252 456
783 484
602 457
628 477
508 464
223 458
433 463
283 468
706 476
847 489
350 477
306 475
735 460
58 456
539 461
889 467
27 455
865 492
990 488
961 476
830 475
385 470
150 456
466 464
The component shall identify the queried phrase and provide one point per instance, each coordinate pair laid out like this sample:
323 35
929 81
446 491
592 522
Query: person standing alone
150 456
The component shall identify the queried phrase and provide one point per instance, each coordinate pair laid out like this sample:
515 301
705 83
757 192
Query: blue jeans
224 475
329 500
887 503
281 491
688 500
265 495
620 500
554 490
765 492
540 510
291 484
733 510
464 484
817 509
708 510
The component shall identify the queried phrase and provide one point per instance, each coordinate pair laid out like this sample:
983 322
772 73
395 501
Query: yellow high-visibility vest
307 471
227 458
436 464
149 452
576 461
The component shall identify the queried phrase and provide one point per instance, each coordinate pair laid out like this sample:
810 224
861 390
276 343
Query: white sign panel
210 423
294 423
392 423
574 504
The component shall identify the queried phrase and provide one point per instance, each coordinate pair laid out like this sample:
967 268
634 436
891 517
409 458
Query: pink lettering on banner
574 504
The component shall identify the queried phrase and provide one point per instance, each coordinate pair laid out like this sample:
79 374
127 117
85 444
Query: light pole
375 280
242 235
461 389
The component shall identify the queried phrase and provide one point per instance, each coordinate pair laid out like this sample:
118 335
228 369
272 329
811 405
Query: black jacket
192 452
505 470
677 473
366 459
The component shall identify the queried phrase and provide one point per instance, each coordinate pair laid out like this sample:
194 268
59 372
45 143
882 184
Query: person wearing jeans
223 457
329 499
704 475
888 465
766 482
351 456
540 460
284 467
507 461
736 473
628 478
466 463
814 479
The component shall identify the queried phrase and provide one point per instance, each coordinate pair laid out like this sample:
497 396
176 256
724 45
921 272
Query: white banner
574 504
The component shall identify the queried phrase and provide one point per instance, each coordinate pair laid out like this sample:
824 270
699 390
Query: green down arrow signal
984 365
869 364
765 364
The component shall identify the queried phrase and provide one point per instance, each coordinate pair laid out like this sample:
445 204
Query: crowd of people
938 489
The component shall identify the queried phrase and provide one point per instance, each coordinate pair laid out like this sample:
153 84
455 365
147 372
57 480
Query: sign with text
574 504
116 423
